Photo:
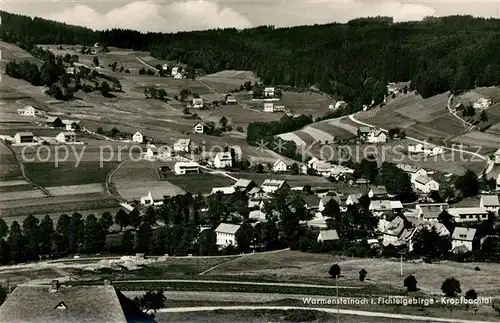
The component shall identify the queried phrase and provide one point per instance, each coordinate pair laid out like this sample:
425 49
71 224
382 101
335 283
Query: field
198 183
293 265
9 169
136 178
47 174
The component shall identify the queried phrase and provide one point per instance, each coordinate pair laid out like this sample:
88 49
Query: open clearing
294 265
135 179
198 183
75 189
9 167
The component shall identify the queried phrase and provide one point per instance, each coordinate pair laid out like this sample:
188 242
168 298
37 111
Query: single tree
334 271
122 218
106 221
96 61
483 116
362 275
471 294
410 283
135 218
451 287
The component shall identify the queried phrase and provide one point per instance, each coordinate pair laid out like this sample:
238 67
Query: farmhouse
463 237
269 92
353 199
325 199
55 303
327 235
279 108
71 125
176 70
55 122
164 67
376 136
377 192
23 137
66 137
279 166
197 103
426 184
152 152
137 137
468 214
272 185
311 202
430 212
183 168
236 152
199 128
396 232
230 99
223 160
363 132
244 185
227 190
28 111
482 103
182 145
425 148
152 199
226 234
269 107
381 206
490 203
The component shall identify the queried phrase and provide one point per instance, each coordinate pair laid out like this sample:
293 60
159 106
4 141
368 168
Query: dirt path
146 64
23 172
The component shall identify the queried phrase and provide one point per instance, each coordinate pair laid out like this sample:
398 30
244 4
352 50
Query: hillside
352 61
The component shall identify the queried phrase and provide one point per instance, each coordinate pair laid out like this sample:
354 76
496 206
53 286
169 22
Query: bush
477 269
410 283
334 271
451 287
362 275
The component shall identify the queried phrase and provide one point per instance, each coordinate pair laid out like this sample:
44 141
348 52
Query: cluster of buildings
27 138
372 135
419 178
271 107
325 169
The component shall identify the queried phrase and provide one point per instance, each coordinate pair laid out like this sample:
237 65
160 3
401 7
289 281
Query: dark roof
35 303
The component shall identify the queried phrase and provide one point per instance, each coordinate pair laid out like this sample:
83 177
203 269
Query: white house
152 199
23 137
231 100
328 235
490 203
468 214
28 111
376 136
223 160
197 103
183 168
226 234
340 105
426 184
426 149
152 152
381 206
199 128
137 137
175 70
269 107
269 92
463 237
279 166
165 66
482 103
182 145
226 190
66 137
272 185
178 76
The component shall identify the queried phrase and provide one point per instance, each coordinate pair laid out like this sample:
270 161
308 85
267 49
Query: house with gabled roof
154 198
490 203
223 160
182 145
30 303
28 111
463 237
272 185
138 137
244 185
226 234
55 122
24 137
279 166
426 184
363 131
468 214
327 235
66 137
377 192
376 136
430 211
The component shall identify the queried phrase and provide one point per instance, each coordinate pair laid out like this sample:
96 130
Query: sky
181 15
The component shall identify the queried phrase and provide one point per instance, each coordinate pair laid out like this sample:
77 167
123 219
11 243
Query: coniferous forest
352 61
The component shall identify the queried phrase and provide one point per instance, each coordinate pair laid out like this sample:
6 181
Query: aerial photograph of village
344 169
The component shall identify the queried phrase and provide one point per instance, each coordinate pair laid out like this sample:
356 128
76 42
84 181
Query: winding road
489 162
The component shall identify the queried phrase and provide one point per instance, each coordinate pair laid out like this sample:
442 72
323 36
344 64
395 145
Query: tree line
352 61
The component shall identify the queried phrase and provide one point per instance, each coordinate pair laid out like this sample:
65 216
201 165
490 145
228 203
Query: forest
352 61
